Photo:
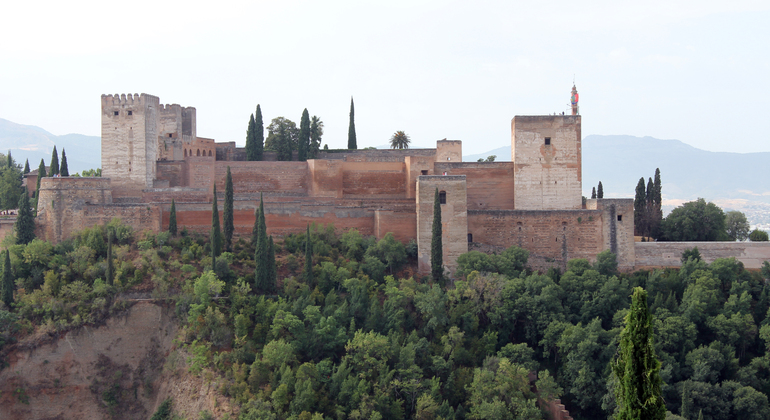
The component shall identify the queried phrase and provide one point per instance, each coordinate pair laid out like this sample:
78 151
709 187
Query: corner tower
129 142
547 155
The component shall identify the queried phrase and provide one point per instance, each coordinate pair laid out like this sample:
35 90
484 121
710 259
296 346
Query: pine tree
8 284
228 212
352 128
436 244
26 167
25 222
64 170
172 219
303 143
259 134
600 191
639 208
251 140
216 231
593 193
636 367
308 257
110 266
54 170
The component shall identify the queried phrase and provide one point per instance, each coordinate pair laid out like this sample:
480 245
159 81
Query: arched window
199 152
185 152
209 152
442 197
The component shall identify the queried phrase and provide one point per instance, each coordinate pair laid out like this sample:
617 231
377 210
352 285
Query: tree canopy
695 221
399 140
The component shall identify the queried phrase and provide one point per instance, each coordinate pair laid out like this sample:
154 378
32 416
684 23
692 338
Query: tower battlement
120 100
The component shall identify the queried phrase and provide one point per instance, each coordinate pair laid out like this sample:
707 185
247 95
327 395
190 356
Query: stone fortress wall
151 155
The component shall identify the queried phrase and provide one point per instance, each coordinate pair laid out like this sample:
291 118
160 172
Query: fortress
151 154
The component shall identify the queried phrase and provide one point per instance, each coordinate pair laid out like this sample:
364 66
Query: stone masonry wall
288 178
63 202
371 179
547 176
454 219
490 184
669 254
403 225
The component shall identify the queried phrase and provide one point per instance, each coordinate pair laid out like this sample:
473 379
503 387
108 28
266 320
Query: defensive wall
454 219
669 254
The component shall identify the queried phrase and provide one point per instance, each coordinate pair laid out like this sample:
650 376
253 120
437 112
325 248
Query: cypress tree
657 201
8 285
26 167
436 244
262 252
25 222
255 229
10 160
352 128
64 170
259 134
216 231
40 174
308 257
251 140
228 212
172 219
272 273
593 193
303 143
636 366
110 267
600 191
54 170
639 207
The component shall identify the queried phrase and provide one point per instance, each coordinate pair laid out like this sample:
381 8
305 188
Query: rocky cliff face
115 370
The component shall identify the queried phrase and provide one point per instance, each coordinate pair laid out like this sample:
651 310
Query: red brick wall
403 225
490 184
373 179
251 177
174 172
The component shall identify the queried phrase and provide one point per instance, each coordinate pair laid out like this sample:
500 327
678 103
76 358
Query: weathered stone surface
454 219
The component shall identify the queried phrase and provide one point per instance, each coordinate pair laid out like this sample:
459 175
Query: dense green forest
360 336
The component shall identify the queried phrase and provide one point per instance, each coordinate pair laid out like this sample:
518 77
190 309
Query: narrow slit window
470 237
442 197
620 218
547 141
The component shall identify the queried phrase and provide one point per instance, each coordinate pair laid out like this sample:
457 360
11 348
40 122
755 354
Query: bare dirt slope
113 371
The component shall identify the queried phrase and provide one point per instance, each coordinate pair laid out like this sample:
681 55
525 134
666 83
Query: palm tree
399 140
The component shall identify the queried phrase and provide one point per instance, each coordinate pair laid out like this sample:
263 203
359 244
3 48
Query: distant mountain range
739 181
34 143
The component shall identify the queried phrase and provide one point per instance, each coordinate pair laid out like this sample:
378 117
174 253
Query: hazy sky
696 71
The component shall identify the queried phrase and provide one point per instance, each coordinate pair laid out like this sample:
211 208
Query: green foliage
510 262
399 140
308 258
758 236
695 221
164 411
303 141
691 254
26 167
636 367
216 231
251 139
352 144
227 210
8 281
40 174
736 226
283 137
64 170
436 244
10 185
54 170
172 219
25 221
316 133
600 191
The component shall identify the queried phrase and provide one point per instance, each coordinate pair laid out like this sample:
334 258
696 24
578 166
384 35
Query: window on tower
547 141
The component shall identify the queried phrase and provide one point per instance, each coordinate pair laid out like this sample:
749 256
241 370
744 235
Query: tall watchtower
546 153
129 142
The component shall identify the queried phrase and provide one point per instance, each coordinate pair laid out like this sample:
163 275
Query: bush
758 236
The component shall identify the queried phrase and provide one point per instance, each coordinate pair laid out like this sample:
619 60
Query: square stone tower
129 142
546 153
454 218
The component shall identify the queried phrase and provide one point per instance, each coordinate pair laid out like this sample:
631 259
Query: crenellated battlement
119 100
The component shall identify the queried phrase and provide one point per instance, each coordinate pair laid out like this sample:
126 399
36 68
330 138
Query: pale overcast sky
696 71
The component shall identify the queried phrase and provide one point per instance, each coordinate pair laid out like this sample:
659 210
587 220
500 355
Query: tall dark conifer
600 191
227 217
352 128
262 252
8 284
251 140
640 203
110 267
63 169
26 167
436 244
593 193
25 222
216 230
172 219
54 169
303 143
656 213
272 273
40 174
259 134
308 257
9 162
636 367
